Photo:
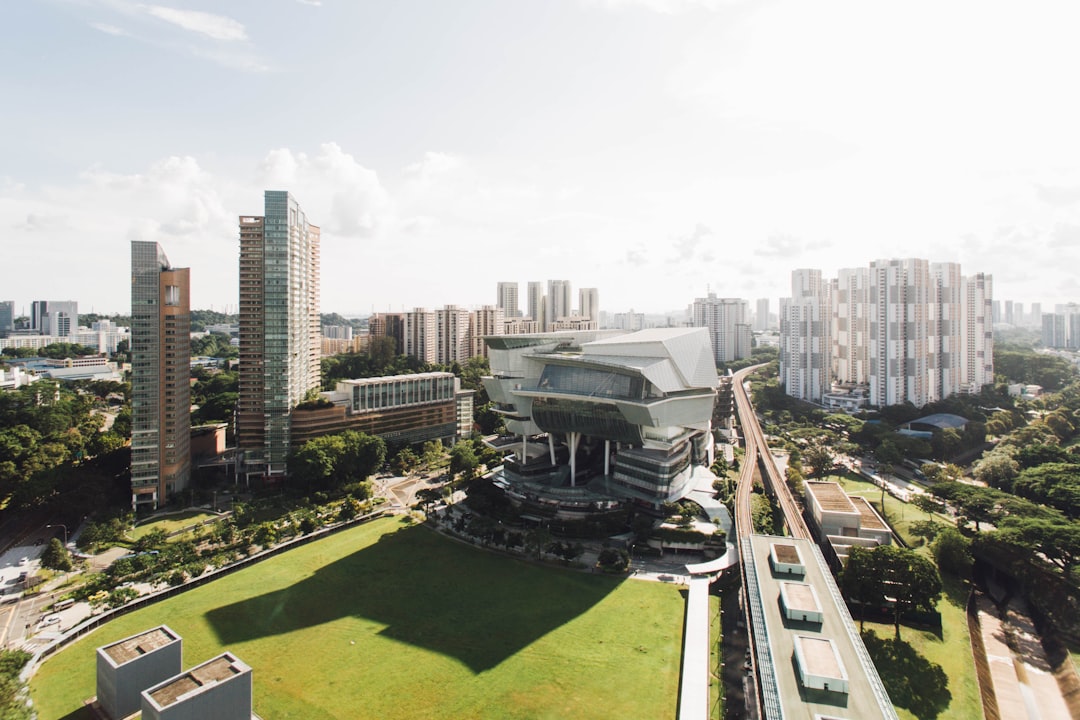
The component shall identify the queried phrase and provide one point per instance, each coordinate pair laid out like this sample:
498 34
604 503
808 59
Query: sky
654 149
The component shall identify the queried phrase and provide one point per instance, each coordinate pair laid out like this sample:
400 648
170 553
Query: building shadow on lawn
912 681
430 592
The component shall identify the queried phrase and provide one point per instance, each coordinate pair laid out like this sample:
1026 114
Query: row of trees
889 576
331 461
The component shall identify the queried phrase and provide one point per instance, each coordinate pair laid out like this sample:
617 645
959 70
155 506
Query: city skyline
654 149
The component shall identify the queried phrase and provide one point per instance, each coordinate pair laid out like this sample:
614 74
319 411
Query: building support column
524 448
551 448
607 457
572 439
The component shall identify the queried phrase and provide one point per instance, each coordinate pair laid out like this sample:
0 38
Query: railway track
758 456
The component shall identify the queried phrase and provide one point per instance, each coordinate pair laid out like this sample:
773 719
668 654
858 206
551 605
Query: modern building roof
830 496
941 421
868 517
681 357
136 646
210 673
833 650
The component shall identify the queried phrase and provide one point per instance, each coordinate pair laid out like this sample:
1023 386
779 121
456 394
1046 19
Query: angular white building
603 418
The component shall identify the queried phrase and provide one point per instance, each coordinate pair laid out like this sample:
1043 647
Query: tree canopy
330 461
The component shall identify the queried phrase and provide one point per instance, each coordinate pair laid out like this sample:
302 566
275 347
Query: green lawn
899 514
382 622
926 676
171 523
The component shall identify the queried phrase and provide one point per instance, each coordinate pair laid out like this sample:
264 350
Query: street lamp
61 525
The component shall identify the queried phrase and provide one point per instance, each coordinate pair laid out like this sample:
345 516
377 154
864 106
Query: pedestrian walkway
694 690
1024 684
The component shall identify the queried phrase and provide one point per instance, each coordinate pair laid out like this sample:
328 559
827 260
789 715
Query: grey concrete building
127 667
219 689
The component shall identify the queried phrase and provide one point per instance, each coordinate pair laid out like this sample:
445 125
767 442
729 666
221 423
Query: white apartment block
488 320
727 322
535 301
557 303
589 304
945 330
420 335
851 326
805 337
452 328
507 299
902 330
976 333
761 315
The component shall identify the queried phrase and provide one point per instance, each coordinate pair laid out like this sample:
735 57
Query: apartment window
172 295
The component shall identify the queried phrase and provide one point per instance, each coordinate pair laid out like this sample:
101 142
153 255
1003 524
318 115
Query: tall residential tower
279 329
160 376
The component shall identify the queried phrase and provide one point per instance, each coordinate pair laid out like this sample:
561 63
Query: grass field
928 677
382 622
171 523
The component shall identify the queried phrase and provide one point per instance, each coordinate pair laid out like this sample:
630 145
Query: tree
997 469
56 556
428 497
405 460
891 573
927 503
952 552
1056 540
819 460
362 455
463 459
614 560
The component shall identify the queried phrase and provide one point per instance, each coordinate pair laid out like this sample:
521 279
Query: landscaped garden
899 514
927 676
386 621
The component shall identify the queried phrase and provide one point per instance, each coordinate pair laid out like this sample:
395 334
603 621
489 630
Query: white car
23 561
51 620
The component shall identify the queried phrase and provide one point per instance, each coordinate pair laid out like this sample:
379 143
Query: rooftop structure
218 689
813 667
840 521
127 667
625 416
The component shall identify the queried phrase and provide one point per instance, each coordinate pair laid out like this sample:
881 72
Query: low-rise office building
841 521
401 409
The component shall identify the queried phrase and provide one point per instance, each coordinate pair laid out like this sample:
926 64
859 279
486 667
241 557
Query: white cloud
313 3
109 29
215 27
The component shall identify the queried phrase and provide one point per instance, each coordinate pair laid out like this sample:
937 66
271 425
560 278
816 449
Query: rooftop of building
136 646
210 673
941 421
830 496
800 596
868 517
774 636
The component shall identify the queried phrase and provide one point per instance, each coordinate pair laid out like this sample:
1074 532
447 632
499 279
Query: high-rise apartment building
557 303
945 329
280 345
7 317
485 322
1036 315
160 376
452 335
901 331
976 333
805 337
900 294
851 326
420 330
761 315
508 299
726 320
589 304
536 302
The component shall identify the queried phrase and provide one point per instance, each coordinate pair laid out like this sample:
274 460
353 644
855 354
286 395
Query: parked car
23 561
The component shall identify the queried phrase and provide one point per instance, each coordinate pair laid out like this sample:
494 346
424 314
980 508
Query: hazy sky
650 148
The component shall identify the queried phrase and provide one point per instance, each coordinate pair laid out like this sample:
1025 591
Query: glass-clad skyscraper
279 328
160 376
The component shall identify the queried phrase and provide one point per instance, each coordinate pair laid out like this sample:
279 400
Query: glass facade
594 382
594 419
400 391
